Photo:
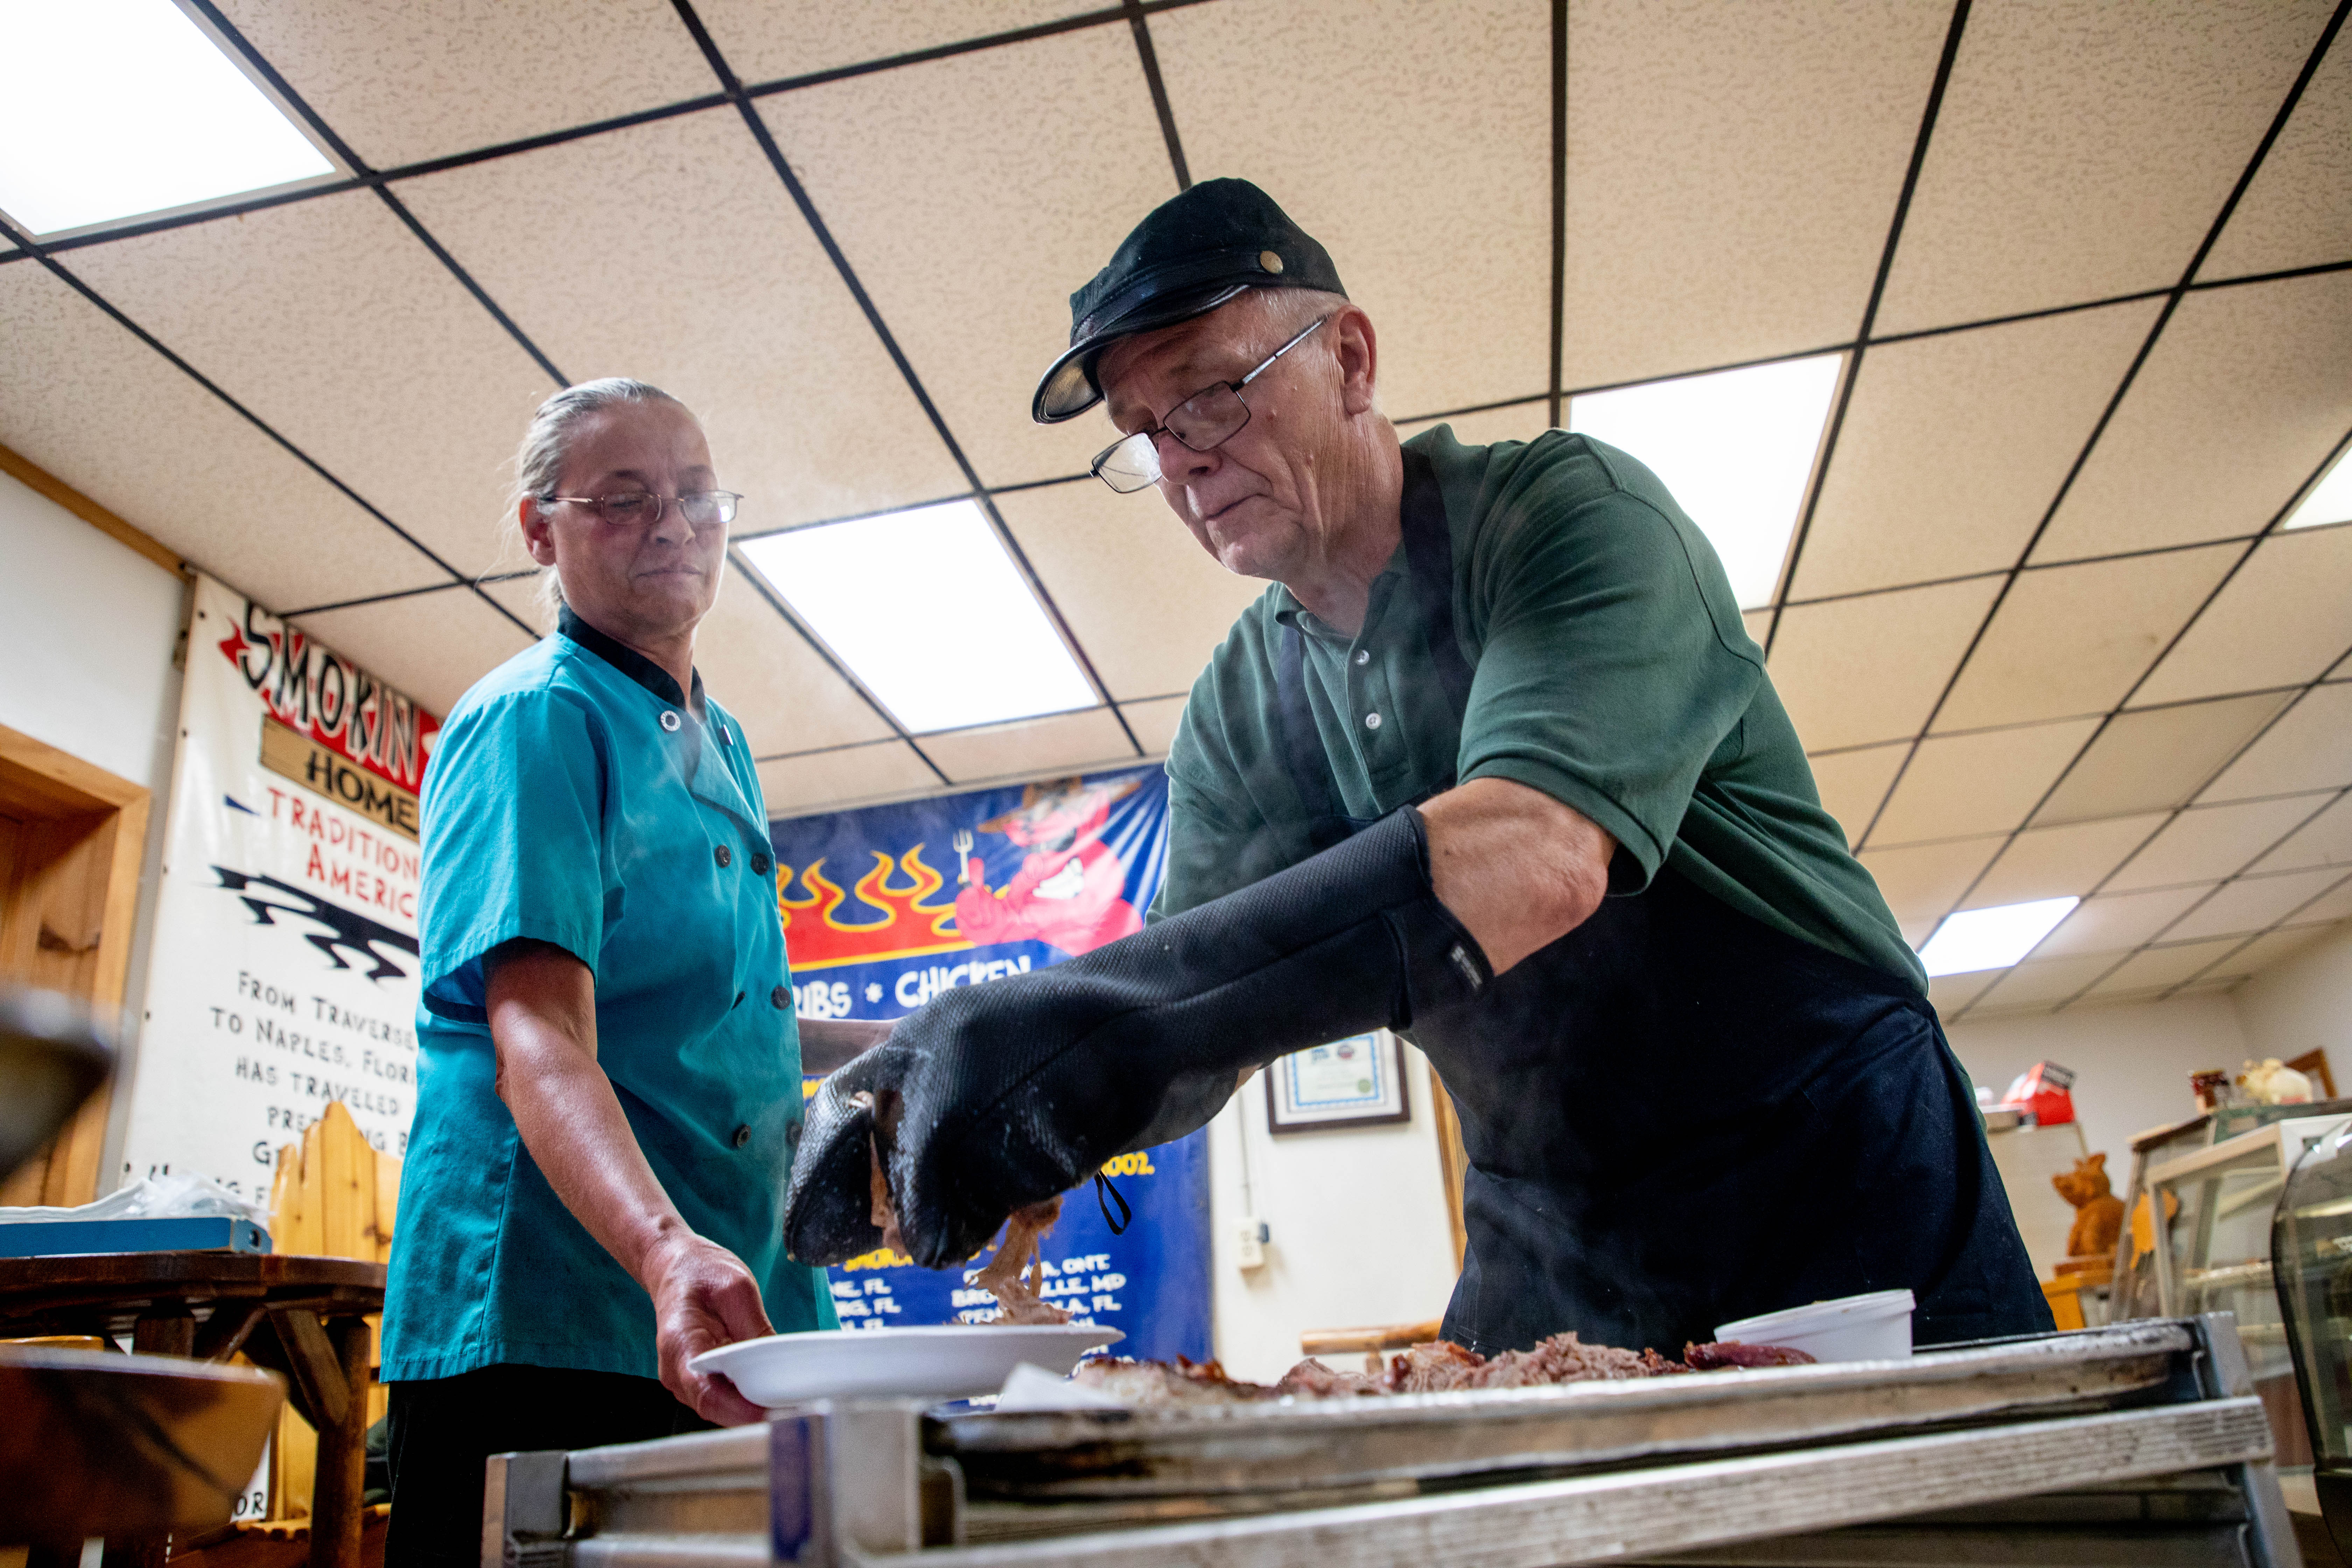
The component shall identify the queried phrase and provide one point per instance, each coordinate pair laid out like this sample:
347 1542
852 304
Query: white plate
952 1361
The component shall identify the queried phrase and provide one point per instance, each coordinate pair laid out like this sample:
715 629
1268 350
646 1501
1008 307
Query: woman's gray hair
539 462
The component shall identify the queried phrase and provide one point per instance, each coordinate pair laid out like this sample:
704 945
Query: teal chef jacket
577 797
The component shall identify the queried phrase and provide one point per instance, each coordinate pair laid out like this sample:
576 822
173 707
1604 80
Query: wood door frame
68 918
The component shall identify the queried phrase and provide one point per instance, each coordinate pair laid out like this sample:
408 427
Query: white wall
1359 1232
2303 1003
91 628
2131 1063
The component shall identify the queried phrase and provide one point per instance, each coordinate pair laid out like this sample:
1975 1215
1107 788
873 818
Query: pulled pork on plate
1437 1367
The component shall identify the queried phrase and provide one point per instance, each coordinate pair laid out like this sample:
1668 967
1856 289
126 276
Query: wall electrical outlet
1249 1243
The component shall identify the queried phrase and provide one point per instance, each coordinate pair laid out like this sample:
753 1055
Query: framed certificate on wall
1355 1082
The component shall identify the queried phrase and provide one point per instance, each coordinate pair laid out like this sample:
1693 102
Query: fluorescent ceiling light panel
1735 447
1994 938
2330 500
928 610
114 108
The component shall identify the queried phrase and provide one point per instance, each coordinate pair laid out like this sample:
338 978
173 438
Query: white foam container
1876 1326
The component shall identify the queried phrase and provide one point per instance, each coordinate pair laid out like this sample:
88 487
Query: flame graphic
815 939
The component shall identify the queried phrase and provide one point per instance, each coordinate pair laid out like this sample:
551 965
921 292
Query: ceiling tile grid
1091 737
806 413
2206 842
1732 172
2242 397
491 72
439 643
2154 758
2084 149
2282 620
1328 119
829 781
766 40
1954 445
82 397
2298 210
2309 747
1852 671
1961 785
1037 160
332 324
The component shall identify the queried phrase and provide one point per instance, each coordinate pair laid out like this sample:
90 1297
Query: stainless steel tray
1340 1446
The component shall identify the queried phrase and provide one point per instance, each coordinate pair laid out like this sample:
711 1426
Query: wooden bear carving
2099 1214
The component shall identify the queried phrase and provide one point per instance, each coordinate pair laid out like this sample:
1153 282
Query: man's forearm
1517 867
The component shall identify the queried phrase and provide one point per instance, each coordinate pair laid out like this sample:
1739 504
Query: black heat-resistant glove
994 1097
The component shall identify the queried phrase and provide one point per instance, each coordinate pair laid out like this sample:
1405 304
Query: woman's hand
703 1297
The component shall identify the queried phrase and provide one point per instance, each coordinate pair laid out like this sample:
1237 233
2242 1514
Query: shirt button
1371 721
760 864
742 1136
724 856
782 997
1363 656
670 720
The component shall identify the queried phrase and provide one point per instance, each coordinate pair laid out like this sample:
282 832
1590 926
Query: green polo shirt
1611 672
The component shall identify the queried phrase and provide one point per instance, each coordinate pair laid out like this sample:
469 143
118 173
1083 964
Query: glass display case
2311 1246
2210 1217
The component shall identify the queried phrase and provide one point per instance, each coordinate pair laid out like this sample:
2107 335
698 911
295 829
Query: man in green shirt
1494 763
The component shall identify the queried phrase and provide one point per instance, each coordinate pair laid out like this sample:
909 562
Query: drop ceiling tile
2324 840
2060 862
1516 422
2153 758
2334 906
2045 982
1426 173
2074 639
2083 151
1922 882
2298 211
2309 748
1758 624
2242 399
403 80
105 413
1854 784
2208 842
1145 600
803 786
1732 172
2276 947
1154 722
780 689
806 415
2117 922
1954 446
2282 620
1852 671
2253 904
1036 160
1988 783
2161 966
329 321
1952 993
765 41
1031 746
431 646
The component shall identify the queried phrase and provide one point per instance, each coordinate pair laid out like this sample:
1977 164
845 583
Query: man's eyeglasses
1208 418
636 509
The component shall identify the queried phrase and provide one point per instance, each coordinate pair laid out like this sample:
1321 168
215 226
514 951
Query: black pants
442 1430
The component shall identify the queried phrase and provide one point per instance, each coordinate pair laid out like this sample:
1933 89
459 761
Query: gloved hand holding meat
994 1097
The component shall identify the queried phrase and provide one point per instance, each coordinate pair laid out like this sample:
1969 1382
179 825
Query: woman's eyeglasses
1208 418
636 509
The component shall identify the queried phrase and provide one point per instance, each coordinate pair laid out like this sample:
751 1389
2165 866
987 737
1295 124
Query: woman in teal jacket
609 1090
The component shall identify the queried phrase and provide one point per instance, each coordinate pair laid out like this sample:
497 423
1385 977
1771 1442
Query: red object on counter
2043 1092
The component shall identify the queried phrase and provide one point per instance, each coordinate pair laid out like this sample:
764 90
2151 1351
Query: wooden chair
333 1196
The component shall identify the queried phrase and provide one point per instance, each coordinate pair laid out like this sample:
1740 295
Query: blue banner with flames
886 906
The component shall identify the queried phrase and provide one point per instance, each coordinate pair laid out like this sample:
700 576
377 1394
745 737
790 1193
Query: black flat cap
1191 254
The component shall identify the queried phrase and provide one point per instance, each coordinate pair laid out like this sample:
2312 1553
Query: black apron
1677 1116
